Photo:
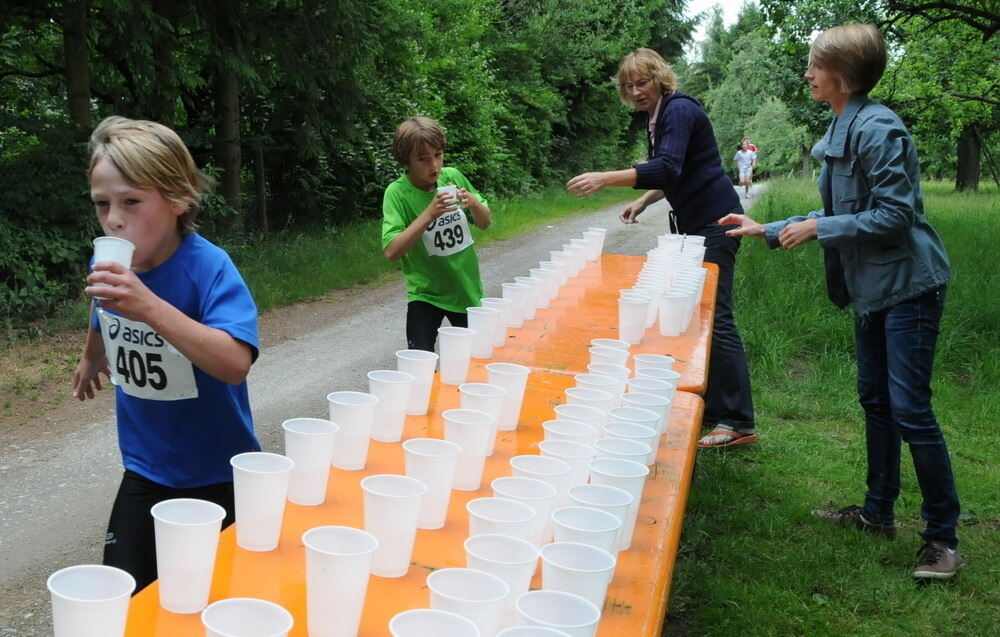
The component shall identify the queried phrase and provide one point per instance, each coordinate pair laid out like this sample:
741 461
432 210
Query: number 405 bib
142 363
447 234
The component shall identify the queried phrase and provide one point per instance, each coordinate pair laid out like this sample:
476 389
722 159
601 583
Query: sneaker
851 516
937 561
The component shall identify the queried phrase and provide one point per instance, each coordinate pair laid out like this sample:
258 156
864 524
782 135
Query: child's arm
93 362
401 244
211 350
480 212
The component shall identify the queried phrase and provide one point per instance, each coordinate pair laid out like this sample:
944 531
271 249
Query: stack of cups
455 346
392 388
354 414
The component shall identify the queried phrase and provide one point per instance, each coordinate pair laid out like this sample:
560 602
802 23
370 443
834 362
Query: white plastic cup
652 402
577 568
602 382
628 476
309 442
486 398
618 372
392 388
641 361
354 413
500 516
548 278
537 494
610 355
587 525
483 321
531 631
427 622
632 319
113 249
338 563
506 307
651 386
576 454
591 397
638 415
455 347
433 462
513 378
187 537
476 595
451 192
672 306
535 289
421 365
547 469
570 430
470 430
581 413
610 342
90 600
517 293
667 375
246 617
634 431
607 498
572 614
512 559
627 448
392 506
260 486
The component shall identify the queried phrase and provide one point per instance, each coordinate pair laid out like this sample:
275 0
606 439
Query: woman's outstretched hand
585 184
747 227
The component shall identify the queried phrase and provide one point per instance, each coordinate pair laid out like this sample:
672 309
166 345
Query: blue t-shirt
178 426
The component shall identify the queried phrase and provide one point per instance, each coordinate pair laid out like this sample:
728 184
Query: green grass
753 560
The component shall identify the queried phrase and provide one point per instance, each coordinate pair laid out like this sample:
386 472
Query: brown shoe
937 561
851 516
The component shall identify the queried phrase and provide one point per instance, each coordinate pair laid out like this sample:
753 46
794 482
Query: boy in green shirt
426 229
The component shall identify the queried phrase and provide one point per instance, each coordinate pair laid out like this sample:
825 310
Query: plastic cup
651 386
470 430
570 430
187 537
547 469
113 249
260 484
652 402
420 364
476 595
309 443
667 375
451 190
618 372
513 378
607 498
547 288
392 506
338 562
633 431
628 476
486 398
640 361
500 516
576 454
90 600
632 319
427 622
581 413
531 631
518 295
392 388
506 308
537 494
483 321
246 617
565 264
572 614
603 382
587 525
610 355
638 415
627 448
510 558
597 398
576 568
610 342
433 462
455 346
535 286
354 413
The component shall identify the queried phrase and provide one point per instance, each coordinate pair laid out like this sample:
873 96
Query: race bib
142 363
447 234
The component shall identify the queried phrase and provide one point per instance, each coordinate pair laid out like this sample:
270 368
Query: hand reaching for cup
585 184
632 211
747 227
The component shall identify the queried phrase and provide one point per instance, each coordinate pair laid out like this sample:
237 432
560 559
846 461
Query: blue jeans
895 352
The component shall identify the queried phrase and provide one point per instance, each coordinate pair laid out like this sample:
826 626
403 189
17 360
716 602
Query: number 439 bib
142 363
447 234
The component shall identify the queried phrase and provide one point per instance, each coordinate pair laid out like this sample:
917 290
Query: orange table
586 308
637 597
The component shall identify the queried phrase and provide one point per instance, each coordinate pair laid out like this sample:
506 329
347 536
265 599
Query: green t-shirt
449 282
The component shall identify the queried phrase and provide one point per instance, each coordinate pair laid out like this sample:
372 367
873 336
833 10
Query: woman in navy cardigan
684 166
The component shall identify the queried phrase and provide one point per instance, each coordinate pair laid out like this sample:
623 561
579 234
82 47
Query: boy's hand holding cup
113 249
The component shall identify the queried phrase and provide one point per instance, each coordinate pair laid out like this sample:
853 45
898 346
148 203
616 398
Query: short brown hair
414 132
855 51
645 63
151 156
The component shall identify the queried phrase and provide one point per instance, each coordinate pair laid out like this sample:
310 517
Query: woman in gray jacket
882 256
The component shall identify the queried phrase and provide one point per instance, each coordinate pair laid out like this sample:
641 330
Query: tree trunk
260 185
967 177
806 164
77 57
227 139
164 89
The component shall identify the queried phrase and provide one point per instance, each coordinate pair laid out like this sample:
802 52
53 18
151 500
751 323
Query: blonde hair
645 63
414 132
150 155
854 51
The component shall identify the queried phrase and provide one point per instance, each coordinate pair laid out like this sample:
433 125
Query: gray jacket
873 212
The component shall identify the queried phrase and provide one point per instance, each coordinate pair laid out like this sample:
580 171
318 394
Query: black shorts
423 321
